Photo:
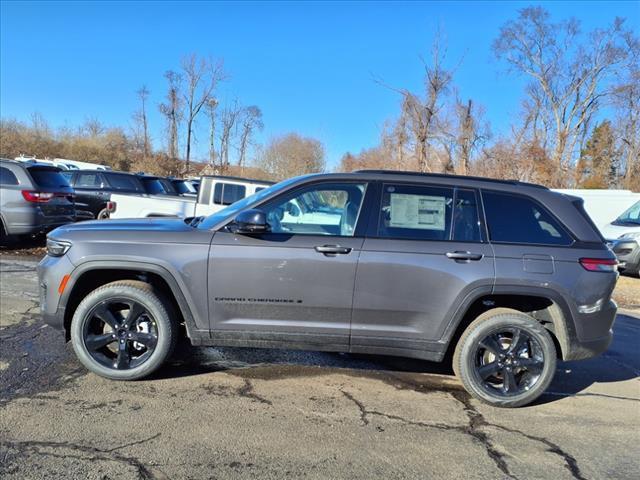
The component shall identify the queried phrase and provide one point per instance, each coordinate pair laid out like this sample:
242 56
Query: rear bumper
596 333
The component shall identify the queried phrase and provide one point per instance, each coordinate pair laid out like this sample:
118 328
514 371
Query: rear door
90 191
426 252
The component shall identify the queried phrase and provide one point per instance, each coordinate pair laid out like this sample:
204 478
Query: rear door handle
458 255
330 250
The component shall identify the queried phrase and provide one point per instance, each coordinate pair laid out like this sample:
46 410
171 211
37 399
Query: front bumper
628 254
51 271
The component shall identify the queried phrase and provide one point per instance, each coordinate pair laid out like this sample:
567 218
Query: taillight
599 264
37 197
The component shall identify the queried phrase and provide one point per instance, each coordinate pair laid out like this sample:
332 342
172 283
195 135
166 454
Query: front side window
7 177
325 209
153 186
228 193
518 219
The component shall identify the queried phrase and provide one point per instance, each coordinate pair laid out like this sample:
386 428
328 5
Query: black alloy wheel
120 333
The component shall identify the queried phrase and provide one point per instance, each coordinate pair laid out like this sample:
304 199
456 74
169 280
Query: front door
426 255
295 283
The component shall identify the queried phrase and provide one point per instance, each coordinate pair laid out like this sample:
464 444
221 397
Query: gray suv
504 276
34 198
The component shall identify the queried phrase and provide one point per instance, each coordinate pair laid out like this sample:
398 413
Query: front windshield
234 208
632 215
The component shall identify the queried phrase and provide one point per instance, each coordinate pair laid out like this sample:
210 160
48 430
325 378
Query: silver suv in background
504 277
34 198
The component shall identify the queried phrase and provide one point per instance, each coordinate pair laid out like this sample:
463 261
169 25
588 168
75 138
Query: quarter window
7 177
517 219
324 209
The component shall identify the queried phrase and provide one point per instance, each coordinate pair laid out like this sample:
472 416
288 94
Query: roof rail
448 175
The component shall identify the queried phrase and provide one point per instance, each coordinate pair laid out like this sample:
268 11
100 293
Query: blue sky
309 66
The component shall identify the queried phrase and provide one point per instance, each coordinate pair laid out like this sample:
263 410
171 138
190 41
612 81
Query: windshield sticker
424 212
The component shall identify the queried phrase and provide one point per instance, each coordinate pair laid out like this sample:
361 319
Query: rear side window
228 193
153 186
517 219
89 180
124 182
7 177
48 177
416 212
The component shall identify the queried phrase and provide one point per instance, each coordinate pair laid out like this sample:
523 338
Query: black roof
451 176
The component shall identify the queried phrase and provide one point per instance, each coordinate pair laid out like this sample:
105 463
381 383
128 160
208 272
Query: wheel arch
543 304
91 275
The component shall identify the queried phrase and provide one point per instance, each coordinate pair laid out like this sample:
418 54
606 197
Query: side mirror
250 221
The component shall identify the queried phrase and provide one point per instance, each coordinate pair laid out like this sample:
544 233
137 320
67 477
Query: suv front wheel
505 358
124 330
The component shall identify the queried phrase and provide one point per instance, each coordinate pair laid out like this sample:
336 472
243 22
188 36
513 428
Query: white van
603 206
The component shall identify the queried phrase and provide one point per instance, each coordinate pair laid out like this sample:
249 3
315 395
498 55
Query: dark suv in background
504 276
94 188
34 198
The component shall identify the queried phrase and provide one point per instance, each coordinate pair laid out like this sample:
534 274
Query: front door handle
331 250
464 256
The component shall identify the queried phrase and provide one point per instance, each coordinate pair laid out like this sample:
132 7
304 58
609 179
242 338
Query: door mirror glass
249 222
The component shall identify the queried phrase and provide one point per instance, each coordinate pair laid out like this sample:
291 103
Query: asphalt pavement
251 413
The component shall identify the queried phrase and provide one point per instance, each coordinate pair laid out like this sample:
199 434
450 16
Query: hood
612 232
128 225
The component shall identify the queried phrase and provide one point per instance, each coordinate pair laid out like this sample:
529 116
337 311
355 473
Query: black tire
103 214
156 311
512 379
6 240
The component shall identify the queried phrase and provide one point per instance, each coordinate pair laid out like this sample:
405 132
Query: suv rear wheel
124 330
505 358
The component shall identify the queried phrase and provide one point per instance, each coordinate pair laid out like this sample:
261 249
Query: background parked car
158 185
623 235
34 198
94 188
216 192
184 186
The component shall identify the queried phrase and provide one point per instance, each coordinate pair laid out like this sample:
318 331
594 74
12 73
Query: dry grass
627 292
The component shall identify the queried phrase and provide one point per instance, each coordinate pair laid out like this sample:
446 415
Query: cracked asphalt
247 413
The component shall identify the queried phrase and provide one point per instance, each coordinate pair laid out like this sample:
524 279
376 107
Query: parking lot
245 413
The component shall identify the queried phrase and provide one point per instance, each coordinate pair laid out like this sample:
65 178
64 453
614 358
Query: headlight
56 248
630 236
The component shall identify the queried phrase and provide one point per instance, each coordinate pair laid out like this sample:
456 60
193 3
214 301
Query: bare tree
292 155
141 116
251 120
228 119
420 112
211 109
201 77
626 101
570 78
470 133
173 112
